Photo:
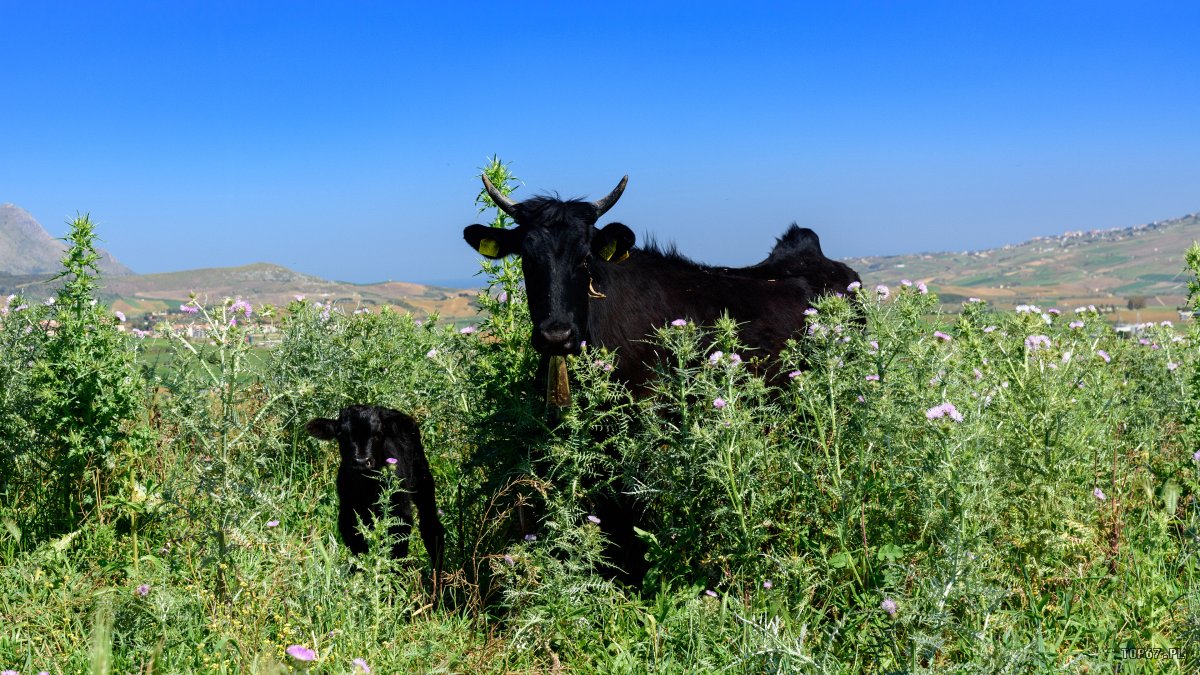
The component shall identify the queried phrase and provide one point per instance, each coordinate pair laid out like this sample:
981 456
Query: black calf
373 439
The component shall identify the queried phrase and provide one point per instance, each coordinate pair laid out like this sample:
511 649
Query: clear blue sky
342 139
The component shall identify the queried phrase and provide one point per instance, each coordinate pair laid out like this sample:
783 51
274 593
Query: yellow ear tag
489 247
609 249
623 258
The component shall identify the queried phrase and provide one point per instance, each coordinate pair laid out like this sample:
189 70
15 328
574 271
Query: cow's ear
612 243
324 429
492 242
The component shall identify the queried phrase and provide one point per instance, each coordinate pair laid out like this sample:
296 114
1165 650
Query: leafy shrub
72 399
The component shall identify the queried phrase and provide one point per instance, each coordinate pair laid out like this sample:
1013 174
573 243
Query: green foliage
911 492
73 398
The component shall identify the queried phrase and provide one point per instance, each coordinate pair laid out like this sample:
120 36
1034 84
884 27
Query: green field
985 492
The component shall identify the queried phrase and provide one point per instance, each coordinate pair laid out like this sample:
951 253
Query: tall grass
984 492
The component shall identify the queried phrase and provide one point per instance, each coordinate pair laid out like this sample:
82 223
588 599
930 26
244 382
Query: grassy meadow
979 492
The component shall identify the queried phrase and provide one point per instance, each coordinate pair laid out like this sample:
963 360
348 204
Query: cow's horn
607 203
503 203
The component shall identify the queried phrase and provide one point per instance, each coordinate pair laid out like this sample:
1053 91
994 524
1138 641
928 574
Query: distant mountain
27 248
1085 267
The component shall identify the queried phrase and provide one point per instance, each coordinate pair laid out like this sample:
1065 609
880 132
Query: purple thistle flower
531 537
679 323
811 311
189 309
241 306
978 373
714 357
854 286
508 560
1054 311
361 664
768 585
973 300
922 288
467 330
300 298
1196 457
710 593
719 403
872 378
431 353
143 590
593 520
889 605
874 345
942 336
1104 355
905 282
1075 325
735 359
882 291
1099 494
989 329
391 460
1036 342
861 398
793 375
944 410
301 653
272 523
1171 365
120 316
503 297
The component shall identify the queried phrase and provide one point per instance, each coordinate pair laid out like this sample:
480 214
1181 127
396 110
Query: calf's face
366 438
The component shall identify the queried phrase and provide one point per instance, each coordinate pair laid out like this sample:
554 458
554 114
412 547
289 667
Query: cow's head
557 241
367 436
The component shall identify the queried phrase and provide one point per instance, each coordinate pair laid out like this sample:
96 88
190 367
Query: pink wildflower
301 653
944 410
1036 342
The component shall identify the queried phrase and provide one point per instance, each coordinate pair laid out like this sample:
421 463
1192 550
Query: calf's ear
324 429
612 243
492 242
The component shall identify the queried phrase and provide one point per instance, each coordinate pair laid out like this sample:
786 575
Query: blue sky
343 139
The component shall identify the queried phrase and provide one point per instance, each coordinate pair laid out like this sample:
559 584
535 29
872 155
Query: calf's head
557 241
367 436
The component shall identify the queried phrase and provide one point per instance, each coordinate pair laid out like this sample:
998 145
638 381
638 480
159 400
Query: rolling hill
1101 267
1076 268
267 283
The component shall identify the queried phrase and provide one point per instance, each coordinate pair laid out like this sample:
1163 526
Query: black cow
373 439
589 284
